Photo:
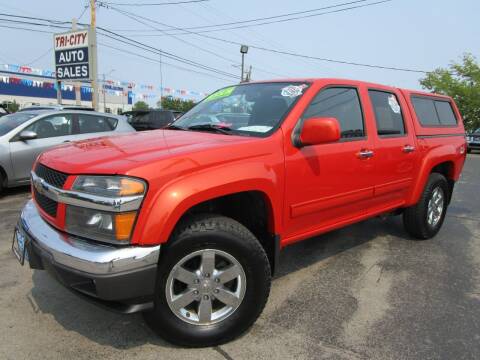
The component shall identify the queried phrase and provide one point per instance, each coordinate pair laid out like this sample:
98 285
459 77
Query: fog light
100 225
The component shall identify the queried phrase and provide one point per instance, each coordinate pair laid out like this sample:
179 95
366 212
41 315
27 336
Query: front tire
213 282
424 219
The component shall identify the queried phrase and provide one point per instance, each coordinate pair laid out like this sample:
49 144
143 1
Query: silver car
24 135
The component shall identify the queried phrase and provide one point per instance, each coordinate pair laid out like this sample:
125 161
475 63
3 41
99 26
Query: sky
414 34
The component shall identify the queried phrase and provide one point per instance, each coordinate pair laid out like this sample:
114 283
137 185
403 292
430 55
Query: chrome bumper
81 255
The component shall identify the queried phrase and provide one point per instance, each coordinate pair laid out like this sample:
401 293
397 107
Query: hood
121 154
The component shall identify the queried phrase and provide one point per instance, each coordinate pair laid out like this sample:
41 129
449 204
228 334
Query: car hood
124 153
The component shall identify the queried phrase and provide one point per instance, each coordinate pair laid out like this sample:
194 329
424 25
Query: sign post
72 60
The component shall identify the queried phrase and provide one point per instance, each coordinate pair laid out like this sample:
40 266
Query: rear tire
2 180
424 219
190 248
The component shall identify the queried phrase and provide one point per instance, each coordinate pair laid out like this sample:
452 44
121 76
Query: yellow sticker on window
220 94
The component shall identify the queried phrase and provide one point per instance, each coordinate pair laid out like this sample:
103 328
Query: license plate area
19 245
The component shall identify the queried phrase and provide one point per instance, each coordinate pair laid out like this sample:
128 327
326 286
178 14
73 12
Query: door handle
365 154
66 141
408 149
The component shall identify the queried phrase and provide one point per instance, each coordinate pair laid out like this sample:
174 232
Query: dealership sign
71 55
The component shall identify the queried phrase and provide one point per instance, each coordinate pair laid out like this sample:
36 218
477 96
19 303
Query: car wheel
213 282
424 219
2 180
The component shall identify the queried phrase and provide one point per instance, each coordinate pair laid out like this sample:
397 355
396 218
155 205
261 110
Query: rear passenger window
93 123
388 113
340 103
432 112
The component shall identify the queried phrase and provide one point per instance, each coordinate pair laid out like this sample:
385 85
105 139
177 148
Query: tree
461 81
171 103
11 106
140 105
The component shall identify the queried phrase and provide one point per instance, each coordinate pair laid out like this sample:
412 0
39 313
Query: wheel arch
3 177
435 163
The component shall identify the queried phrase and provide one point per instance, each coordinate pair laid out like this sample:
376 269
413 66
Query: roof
349 81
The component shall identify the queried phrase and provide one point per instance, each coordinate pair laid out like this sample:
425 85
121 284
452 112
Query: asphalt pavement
367 291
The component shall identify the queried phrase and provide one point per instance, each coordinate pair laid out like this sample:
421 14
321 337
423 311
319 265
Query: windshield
477 131
248 109
10 122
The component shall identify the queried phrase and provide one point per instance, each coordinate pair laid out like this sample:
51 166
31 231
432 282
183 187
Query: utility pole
161 81
249 74
59 92
93 53
104 95
77 85
243 51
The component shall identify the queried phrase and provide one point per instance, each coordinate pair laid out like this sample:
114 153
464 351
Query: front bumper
120 278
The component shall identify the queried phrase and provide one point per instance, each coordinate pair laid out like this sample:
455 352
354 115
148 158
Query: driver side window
52 126
343 104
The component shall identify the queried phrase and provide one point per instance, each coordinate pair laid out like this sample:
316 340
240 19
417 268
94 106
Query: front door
329 185
51 131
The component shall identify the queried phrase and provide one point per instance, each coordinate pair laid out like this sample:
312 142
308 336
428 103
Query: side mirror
27 135
317 131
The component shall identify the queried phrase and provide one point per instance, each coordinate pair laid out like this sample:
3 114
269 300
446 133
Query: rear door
51 130
394 145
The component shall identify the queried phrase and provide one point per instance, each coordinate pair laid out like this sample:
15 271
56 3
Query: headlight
104 225
100 225
111 186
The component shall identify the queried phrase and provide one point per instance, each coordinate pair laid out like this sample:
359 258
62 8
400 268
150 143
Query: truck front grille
46 204
52 177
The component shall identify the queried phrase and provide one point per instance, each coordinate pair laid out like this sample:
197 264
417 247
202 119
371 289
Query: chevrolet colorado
186 223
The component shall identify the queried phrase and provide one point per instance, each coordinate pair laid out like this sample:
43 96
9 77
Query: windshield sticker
256 128
293 90
392 101
220 94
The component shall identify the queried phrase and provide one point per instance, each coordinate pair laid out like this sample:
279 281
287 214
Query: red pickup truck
186 223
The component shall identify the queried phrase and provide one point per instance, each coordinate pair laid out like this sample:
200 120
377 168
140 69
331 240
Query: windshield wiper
173 127
211 127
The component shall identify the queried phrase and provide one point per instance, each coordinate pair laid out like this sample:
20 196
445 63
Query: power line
151 4
157 51
195 13
85 7
26 29
248 23
40 19
149 48
116 37
290 53
275 16
40 57
34 23
182 40
163 62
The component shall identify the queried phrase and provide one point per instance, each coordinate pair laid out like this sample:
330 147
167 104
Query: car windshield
477 131
10 122
247 109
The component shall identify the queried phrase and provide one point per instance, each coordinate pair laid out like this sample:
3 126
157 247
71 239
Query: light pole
104 92
243 51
